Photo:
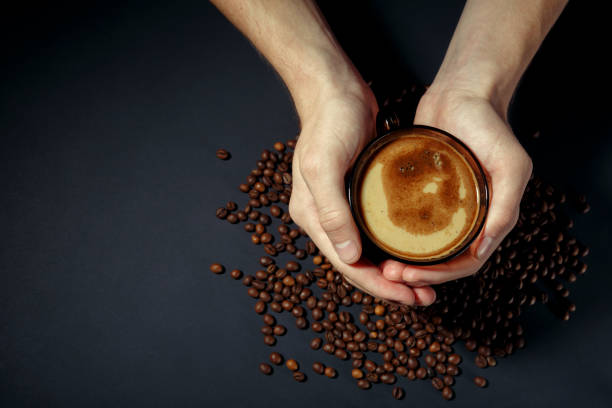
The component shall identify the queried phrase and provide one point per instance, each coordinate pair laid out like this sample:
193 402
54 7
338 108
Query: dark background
110 115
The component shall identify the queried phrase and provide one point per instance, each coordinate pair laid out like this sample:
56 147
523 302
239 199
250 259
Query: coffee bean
363 384
301 323
315 343
387 378
265 368
447 393
280 330
318 368
454 359
260 307
216 268
221 213
292 364
421 373
270 340
437 383
480 381
398 393
232 218
236 274
481 361
223 154
357 373
279 146
276 358
330 372
449 380
299 376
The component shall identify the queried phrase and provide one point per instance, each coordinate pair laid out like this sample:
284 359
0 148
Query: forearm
295 38
493 44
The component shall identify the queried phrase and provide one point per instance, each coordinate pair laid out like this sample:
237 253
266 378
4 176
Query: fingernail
347 251
484 247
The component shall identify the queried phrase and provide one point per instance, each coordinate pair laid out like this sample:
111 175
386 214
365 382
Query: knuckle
332 220
310 167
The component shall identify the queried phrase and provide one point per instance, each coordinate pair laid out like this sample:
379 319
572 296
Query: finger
324 176
418 276
507 188
393 271
424 296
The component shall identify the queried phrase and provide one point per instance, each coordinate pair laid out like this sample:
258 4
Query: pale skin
492 46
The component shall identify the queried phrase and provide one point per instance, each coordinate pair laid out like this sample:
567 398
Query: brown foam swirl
430 193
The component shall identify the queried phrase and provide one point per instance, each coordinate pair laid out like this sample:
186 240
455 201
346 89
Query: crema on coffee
418 197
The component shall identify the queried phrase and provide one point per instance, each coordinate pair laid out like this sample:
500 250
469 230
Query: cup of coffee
418 194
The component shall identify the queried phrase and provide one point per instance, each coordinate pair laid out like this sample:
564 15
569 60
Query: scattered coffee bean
223 154
216 268
265 368
447 393
330 372
363 384
398 393
318 368
480 381
276 358
292 364
299 376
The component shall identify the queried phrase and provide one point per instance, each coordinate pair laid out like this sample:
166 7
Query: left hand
485 130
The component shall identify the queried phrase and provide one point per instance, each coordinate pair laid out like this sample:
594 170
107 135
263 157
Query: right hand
335 128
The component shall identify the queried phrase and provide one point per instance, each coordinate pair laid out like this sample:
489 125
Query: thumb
325 180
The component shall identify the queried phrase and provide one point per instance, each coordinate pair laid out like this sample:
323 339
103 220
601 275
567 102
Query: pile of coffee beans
384 341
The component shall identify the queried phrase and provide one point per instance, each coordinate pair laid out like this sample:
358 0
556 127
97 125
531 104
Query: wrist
327 77
482 80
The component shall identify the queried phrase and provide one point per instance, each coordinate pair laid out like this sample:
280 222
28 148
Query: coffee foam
418 197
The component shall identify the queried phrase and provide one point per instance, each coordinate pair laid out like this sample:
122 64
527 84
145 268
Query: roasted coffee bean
454 359
356 373
236 274
421 373
341 354
447 393
318 368
363 384
270 340
276 211
330 372
221 213
223 154
260 306
315 343
437 383
265 368
387 378
452 369
232 218
398 393
217 268
299 376
480 381
292 266
301 323
269 319
449 380
276 358
292 364
279 330
481 361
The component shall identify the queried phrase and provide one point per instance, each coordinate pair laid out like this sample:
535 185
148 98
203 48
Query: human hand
335 129
482 126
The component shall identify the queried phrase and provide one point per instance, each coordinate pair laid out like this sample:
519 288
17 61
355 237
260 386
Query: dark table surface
110 116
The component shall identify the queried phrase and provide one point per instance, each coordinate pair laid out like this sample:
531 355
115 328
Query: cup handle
387 120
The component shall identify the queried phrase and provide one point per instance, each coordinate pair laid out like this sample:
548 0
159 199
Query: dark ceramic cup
388 131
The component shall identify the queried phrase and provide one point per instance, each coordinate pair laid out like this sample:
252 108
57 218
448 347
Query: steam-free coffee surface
419 197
